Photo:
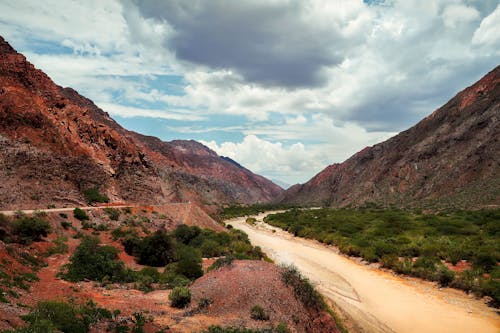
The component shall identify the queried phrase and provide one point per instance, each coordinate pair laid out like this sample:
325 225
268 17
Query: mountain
55 144
449 159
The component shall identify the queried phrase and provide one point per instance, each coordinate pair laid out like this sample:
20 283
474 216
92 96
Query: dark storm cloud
267 43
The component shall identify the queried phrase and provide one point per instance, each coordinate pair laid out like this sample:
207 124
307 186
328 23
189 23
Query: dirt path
374 300
70 209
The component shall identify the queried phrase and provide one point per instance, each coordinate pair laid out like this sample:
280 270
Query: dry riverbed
373 300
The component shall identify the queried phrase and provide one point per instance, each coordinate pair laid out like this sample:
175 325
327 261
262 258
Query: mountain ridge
448 159
56 143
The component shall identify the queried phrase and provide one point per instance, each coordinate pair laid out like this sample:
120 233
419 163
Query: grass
410 243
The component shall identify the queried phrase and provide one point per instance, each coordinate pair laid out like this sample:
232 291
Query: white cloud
128 112
456 14
263 151
272 159
488 32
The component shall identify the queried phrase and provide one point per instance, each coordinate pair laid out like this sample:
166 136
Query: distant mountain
282 184
55 144
449 159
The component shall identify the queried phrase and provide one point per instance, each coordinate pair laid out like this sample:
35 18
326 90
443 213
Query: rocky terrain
224 296
55 144
449 159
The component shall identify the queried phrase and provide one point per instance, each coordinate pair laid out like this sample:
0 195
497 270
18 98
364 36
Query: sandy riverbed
372 299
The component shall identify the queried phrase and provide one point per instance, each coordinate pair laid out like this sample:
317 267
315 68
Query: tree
156 250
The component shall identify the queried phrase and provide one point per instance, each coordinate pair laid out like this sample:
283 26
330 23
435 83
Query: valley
373 300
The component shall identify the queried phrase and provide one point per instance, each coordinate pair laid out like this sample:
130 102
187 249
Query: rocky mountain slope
449 159
55 144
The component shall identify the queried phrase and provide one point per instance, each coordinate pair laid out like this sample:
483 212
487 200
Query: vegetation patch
31 229
80 214
113 213
410 243
55 316
280 328
257 312
92 195
180 297
96 262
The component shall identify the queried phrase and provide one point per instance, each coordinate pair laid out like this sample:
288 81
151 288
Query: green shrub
251 220
180 297
80 214
211 248
170 280
485 260
93 195
65 224
258 313
96 262
303 289
150 272
221 262
156 250
185 234
189 262
31 229
59 247
113 213
55 316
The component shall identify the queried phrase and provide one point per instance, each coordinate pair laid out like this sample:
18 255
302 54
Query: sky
283 87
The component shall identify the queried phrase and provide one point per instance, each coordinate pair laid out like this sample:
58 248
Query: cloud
329 77
272 43
455 14
272 159
488 32
128 112
263 149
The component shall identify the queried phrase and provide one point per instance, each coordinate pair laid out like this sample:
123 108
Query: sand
371 299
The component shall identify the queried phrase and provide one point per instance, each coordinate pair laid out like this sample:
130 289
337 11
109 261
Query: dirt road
374 300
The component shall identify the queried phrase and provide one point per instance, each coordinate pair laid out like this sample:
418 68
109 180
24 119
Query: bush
93 195
113 213
170 280
221 262
258 313
60 246
96 262
31 229
210 248
189 262
485 260
185 234
303 289
180 297
156 250
55 316
80 214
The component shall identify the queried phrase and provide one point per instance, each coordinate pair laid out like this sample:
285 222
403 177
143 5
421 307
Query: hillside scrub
96 262
410 243
160 248
80 214
31 229
92 195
